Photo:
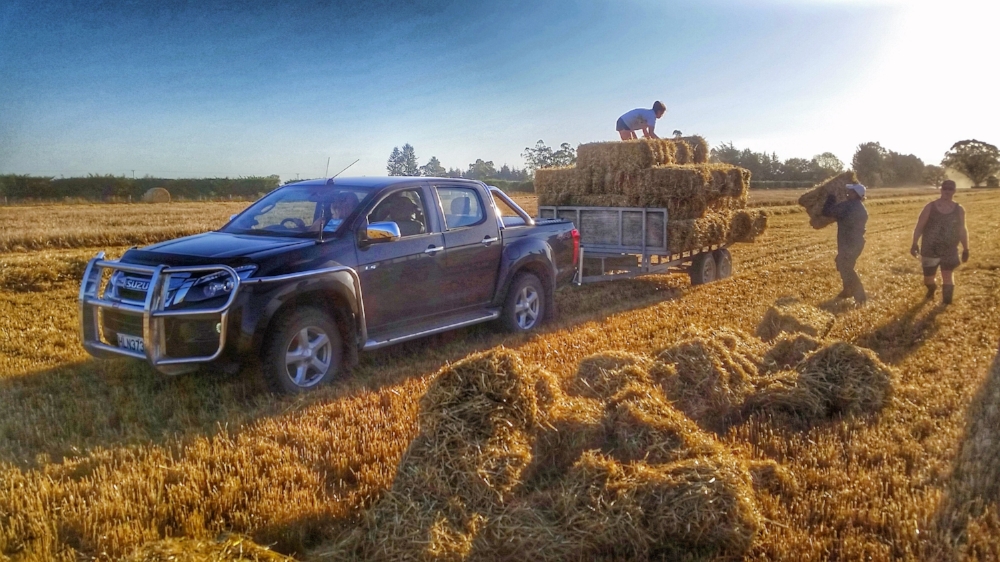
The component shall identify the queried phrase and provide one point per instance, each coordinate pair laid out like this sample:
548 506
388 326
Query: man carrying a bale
640 119
851 217
942 226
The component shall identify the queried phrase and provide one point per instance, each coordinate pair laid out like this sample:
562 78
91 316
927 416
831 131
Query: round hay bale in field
601 375
637 510
787 350
156 195
790 315
710 376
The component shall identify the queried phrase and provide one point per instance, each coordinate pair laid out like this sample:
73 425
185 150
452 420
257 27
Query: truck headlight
211 286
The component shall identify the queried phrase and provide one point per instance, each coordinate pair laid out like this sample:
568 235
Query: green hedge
104 188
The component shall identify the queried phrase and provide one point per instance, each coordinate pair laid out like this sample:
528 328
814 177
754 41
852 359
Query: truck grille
117 322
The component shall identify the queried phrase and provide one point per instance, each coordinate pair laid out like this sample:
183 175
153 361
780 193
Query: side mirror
378 232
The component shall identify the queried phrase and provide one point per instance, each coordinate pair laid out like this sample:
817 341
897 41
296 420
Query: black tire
703 269
723 263
524 307
303 352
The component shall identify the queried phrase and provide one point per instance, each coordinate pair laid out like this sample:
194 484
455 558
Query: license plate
132 343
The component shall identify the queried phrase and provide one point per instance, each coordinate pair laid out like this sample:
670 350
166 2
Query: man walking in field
942 227
851 218
640 119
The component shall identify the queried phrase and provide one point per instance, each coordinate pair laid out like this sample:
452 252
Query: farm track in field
97 458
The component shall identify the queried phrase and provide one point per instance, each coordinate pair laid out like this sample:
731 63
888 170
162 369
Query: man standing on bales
640 119
851 218
942 226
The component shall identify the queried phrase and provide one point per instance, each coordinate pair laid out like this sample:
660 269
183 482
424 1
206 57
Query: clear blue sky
201 88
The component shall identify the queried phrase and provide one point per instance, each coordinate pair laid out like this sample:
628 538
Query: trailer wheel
723 263
703 269
524 307
303 351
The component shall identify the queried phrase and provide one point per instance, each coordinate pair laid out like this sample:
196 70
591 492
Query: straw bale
696 507
783 398
685 235
601 375
631 154
643 425
641 153
746 226
837 379
852 379
557 186
699 148
573 426
789 314
787 350
814 199
712 376
156 195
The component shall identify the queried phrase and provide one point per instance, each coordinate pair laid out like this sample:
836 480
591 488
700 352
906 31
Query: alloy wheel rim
526 308
308 357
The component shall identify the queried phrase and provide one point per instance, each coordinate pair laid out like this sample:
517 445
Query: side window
405 208
462 206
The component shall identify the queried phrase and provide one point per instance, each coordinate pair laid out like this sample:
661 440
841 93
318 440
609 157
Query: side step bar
451 323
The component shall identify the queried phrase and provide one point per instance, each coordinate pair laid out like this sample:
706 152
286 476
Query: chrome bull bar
153 310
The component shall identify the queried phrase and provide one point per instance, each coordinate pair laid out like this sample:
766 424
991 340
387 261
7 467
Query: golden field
101 458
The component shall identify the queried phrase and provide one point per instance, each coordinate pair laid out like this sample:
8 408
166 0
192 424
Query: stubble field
99 458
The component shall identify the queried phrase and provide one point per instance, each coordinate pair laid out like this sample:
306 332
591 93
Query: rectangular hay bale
814 199
641 153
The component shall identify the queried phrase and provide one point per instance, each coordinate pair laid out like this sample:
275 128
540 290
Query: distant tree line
110 187
403 162
767 170
875 165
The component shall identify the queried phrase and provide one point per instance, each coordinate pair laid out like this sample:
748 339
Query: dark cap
948 185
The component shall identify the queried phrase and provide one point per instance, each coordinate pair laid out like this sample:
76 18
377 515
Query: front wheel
303 352
524 306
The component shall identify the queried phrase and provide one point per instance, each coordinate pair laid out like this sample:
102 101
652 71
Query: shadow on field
901 336
974 486
66 411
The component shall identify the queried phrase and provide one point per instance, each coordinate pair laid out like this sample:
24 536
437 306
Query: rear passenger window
462 206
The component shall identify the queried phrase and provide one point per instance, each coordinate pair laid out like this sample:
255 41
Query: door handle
487 241
433 249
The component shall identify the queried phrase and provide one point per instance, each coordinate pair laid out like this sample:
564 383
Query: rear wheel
303 352
524 306
723 263
703 269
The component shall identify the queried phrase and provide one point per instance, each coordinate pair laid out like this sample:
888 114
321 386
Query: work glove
914 250
965 255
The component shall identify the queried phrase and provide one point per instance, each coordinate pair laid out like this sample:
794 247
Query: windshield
301 211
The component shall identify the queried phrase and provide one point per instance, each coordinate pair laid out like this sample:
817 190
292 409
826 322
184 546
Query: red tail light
576 247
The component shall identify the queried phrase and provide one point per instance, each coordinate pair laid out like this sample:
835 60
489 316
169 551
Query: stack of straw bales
705 202
814 199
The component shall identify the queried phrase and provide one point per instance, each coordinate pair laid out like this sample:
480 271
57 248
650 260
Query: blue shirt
640 118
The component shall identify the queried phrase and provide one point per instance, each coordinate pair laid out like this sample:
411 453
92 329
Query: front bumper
152 314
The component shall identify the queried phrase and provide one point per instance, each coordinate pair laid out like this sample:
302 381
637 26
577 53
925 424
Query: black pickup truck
316 271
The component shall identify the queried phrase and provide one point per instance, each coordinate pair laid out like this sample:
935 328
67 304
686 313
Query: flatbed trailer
625 242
